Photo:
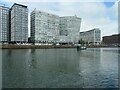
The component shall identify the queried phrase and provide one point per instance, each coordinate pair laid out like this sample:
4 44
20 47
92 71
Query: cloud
93 15
58 0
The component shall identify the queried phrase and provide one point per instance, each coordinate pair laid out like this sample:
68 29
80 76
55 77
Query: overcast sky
101 14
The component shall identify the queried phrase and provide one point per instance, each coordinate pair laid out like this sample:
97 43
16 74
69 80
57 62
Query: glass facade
4 24
19 23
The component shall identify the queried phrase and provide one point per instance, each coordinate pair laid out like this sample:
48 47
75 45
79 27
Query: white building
64 39
44 27
19 23
50 28
4 24
70 27
92 36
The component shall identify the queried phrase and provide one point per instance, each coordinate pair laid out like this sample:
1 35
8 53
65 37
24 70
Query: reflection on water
35 68
0 69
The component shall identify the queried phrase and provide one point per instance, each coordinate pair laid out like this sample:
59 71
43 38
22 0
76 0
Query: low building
92 37
112 39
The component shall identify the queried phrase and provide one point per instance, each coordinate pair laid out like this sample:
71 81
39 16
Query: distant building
4 24
19 23
113 39
92 36
44 27
69 28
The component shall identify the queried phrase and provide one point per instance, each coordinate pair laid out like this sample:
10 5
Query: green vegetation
81 42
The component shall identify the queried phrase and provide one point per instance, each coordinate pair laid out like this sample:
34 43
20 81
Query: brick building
113 39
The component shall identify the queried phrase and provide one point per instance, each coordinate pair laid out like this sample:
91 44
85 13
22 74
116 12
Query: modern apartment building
19 23
70 27
44 27
92 36
50 28
4 24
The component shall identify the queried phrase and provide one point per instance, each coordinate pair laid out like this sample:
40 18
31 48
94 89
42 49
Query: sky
102 14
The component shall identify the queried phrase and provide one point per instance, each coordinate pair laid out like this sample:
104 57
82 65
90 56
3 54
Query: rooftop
19 5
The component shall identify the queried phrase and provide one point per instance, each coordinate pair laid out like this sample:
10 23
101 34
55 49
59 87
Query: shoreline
35 46
48 46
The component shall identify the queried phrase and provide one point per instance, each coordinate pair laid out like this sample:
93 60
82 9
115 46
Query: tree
81 42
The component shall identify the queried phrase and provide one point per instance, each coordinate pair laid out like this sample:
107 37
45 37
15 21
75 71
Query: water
60 68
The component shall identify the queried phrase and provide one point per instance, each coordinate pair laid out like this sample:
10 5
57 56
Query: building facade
70 28
4 24
44 27
92 36
113 39
19 23
50 28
